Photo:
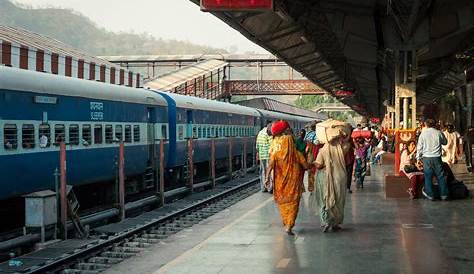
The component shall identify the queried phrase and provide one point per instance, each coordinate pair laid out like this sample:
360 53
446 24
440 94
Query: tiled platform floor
379 236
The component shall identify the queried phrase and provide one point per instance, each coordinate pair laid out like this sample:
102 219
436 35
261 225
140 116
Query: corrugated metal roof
47 44
277 106
192 58
171 80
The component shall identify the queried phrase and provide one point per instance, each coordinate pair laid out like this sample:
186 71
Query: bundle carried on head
361 134
331 129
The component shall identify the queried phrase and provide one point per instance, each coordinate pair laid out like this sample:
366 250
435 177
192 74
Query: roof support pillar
469 90
405 90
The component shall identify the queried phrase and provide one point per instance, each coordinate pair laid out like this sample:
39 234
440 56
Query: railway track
113 249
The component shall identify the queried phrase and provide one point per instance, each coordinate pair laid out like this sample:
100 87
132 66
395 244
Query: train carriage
39 110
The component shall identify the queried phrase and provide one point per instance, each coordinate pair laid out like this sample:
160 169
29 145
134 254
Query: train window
98 135
136 133
74 135
209 134
180 132
44 135
195 132
128 134
199 132
10 137
109 134
28 136
118 133
164 133
59 134
86 135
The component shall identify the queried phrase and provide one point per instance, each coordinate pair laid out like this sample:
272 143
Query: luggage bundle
331 129
361 134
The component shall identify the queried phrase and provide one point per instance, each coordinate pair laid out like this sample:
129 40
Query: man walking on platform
263 146
429 151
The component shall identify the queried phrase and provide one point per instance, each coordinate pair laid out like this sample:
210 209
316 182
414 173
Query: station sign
344 93
375 120
236 5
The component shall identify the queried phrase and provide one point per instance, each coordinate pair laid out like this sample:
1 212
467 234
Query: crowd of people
332 163
427 162
284 160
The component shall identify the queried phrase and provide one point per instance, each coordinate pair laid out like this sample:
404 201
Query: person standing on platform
312 148
450 149
349 159
468 142
263 146
331 184
429 152
300 142
288 167
361 156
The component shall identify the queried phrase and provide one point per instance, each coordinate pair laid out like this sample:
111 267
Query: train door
189 123
151 122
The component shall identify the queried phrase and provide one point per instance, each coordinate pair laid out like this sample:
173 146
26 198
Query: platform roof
173 79
277 106
353 44
231 58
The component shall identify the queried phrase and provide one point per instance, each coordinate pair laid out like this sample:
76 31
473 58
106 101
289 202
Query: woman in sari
409 169
331 183
288 167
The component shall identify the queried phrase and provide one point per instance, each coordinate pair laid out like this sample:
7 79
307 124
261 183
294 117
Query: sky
167 19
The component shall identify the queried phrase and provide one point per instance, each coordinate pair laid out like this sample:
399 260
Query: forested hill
80 32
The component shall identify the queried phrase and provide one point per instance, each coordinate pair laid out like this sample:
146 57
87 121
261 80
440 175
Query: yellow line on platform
189 252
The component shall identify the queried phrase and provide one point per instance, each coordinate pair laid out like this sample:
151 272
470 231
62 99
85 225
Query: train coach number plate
97 111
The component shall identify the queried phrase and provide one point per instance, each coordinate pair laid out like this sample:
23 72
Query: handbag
410 168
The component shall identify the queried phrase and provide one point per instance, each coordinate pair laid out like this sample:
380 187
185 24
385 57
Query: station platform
379 236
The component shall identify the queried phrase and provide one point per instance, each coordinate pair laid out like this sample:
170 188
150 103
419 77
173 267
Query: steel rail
93 250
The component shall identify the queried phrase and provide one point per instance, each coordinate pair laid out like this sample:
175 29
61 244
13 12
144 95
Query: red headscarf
279 127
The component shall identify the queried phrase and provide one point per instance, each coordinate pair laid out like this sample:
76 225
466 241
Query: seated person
8 145
409 169
380 150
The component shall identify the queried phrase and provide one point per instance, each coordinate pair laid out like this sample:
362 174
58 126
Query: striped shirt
311 137
263 144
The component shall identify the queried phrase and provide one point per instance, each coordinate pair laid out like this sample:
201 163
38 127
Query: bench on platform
396 186
388 158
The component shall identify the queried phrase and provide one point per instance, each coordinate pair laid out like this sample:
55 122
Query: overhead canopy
171 80
274 105
191 58
352 45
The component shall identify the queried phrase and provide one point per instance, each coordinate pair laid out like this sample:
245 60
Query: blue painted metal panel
15 105
26 173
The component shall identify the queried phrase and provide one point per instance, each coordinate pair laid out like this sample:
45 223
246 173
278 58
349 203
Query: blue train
39 110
